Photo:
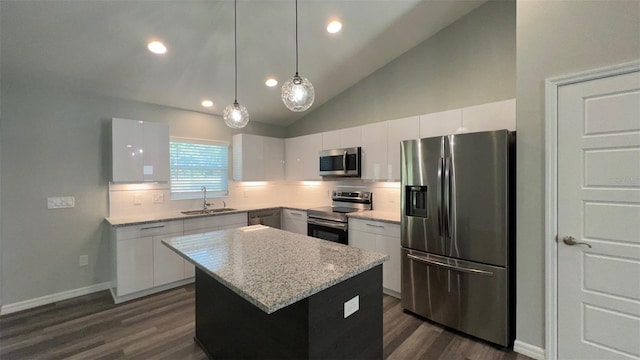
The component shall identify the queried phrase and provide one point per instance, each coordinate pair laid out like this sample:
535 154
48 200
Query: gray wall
469 62
56 142
555 38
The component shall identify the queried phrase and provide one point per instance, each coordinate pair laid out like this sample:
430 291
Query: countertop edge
362 216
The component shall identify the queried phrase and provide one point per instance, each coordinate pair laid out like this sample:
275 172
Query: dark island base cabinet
229 327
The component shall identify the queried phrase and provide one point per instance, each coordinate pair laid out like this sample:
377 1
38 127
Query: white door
599 205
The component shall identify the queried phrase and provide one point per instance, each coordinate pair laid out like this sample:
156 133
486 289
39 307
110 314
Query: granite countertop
377 215
272 268
177 215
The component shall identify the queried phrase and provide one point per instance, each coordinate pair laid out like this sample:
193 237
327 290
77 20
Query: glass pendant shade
298 93
236 116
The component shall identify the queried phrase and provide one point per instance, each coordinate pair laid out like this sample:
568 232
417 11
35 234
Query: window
198 163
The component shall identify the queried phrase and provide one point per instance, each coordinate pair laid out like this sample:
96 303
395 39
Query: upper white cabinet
140 151
397 131
374 151
441 123
343 138
302 161
257 158
492 116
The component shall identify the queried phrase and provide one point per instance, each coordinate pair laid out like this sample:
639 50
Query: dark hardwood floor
161 326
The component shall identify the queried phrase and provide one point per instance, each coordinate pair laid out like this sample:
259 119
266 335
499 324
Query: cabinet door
312 144
294 226
293 158
127 137
391 268
167 265
351 137
374 151
399 130
441 123
331 140
362 240
134 265
156 152
273 150
488 117
248 157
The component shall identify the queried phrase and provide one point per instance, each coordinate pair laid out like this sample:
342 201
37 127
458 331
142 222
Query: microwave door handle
344 161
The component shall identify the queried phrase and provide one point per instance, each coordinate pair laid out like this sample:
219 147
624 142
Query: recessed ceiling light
271 82
334 27
207 103
157 47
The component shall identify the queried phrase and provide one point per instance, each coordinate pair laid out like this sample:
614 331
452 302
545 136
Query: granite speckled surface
377 215
272 268
176 215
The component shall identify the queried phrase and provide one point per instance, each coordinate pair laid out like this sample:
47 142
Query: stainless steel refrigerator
458 232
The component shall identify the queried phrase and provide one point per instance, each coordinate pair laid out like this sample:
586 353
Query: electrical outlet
158 198
61 202
83 260
351 306
137 199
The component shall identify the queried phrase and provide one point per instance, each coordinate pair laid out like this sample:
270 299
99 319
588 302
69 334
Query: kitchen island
268 293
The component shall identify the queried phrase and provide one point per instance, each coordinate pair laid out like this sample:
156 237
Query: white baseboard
48 299
128 297
529 350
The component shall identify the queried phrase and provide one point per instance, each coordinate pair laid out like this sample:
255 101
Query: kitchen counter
177 215
377 215
267 293
272 268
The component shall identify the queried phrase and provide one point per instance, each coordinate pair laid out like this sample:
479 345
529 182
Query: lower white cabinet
143 265
382 237
294 221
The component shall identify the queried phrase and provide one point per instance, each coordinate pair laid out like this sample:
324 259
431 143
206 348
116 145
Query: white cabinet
257 158
492 116
441 123
167 265
397 131
140 151
381 237
135 248
302 161
374 151
343 138
294 221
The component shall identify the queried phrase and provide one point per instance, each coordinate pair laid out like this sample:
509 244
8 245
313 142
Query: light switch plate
83 260
158 198
61 202
351 306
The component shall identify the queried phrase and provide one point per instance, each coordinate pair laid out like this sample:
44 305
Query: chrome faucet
204 198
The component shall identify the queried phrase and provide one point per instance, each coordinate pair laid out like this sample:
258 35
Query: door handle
344 161
570 240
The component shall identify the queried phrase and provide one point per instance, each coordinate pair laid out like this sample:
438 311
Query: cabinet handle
374 225
295 213
152 227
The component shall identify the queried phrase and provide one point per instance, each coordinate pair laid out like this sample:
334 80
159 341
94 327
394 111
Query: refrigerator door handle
450 267
439 194
447 198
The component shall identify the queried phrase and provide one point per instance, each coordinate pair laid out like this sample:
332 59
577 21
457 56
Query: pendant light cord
235 44
296 37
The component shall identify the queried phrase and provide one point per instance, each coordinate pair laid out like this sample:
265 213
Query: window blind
197 163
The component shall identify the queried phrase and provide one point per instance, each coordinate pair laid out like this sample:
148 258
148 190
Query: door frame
551 194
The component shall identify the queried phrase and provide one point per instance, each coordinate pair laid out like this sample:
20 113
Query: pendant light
235 115
297 92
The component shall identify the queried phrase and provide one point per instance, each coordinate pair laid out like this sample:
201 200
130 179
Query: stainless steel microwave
340 162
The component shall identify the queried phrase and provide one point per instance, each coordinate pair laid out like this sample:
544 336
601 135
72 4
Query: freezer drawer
463 295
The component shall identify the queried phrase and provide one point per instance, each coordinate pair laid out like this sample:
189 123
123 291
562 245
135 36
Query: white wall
54 143
555 38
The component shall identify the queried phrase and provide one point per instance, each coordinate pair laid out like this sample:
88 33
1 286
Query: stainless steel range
330 222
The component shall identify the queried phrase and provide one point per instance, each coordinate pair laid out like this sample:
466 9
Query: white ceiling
100 46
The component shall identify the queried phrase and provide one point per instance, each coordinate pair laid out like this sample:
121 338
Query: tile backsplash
136 199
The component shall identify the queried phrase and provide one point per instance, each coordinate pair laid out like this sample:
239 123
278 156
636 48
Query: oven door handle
330 224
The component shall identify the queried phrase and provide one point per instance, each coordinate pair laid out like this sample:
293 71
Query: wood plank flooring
161 326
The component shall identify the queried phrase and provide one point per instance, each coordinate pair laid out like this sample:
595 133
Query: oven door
328 230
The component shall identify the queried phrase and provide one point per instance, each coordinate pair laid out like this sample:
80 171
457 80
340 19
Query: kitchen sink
206 212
